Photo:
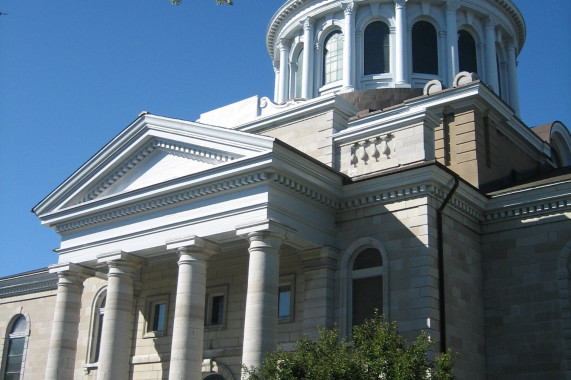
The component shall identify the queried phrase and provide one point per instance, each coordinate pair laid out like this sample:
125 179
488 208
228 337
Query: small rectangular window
216 305
286 297
157 316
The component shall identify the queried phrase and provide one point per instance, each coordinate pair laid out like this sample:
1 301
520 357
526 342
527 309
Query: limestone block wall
38 308
526 291
463 291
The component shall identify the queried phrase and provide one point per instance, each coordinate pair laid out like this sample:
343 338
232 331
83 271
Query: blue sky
73 74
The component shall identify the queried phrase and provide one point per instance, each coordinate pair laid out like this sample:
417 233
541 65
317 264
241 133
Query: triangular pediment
150 153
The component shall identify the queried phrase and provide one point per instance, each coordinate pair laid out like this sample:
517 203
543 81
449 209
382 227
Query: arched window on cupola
367 293
467 52
14 353
377 49
424 48
298 75
333 58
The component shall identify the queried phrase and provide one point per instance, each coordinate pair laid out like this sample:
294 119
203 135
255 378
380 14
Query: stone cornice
27 283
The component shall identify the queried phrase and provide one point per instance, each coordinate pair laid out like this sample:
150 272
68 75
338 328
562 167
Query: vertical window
367 285
286 296
424 48
216 306
299 75
376 48
14 355
97 327
333 58
157 316
467 52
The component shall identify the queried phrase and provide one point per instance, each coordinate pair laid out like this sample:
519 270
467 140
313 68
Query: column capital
348 7
452 5
195 247
72 272
491 22
307 23
284 44
267 226
120 262
400 3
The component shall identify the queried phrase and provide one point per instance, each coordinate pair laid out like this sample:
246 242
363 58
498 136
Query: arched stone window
424 48
298 75
377 49
333 58
367 293
97 316
14 354
467 52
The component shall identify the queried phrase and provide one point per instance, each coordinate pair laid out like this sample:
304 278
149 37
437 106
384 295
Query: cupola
320 47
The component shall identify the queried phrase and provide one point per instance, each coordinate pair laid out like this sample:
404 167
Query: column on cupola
284 60
308 56
63 342
349 9
261 319
451 41
276 83
401 62
512 77
319 267
188 329
491 61
117 329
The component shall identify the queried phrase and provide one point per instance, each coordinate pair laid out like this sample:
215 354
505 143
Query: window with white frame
367 285
157 316
376 48
333 57
97 317
14 353
216 307
467 57
286 298
424 48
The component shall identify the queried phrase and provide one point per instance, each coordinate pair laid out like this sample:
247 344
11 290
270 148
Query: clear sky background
73 74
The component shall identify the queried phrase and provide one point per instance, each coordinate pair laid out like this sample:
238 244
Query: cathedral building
390 170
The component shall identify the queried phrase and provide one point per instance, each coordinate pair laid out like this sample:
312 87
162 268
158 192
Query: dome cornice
291 6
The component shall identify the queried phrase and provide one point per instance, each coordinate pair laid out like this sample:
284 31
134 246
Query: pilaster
400 36
349 10
512 77
284 58
308 56
491 62
452 41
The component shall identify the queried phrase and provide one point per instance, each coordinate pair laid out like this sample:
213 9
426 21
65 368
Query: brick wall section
524 320
38 308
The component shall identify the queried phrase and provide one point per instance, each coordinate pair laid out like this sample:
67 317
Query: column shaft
188 330
512 77
261 320
284 58
400 37
491 62
349 46
308 53
63 343
452 42
116 335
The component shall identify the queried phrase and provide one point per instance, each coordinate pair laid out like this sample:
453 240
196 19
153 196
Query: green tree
376 350
219 2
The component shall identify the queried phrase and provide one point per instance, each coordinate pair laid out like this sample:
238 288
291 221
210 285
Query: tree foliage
376 350
219 2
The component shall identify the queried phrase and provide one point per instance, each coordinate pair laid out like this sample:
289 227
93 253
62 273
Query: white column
63 343
284 58
401 62
512 77
308 54
261 319
276 84
188 329
491 63
117 331
349 46
452 41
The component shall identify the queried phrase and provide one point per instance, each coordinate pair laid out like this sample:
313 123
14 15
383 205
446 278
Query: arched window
366 285
377 48
424 48
333 58
97 327
467 52
298 74
14 354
